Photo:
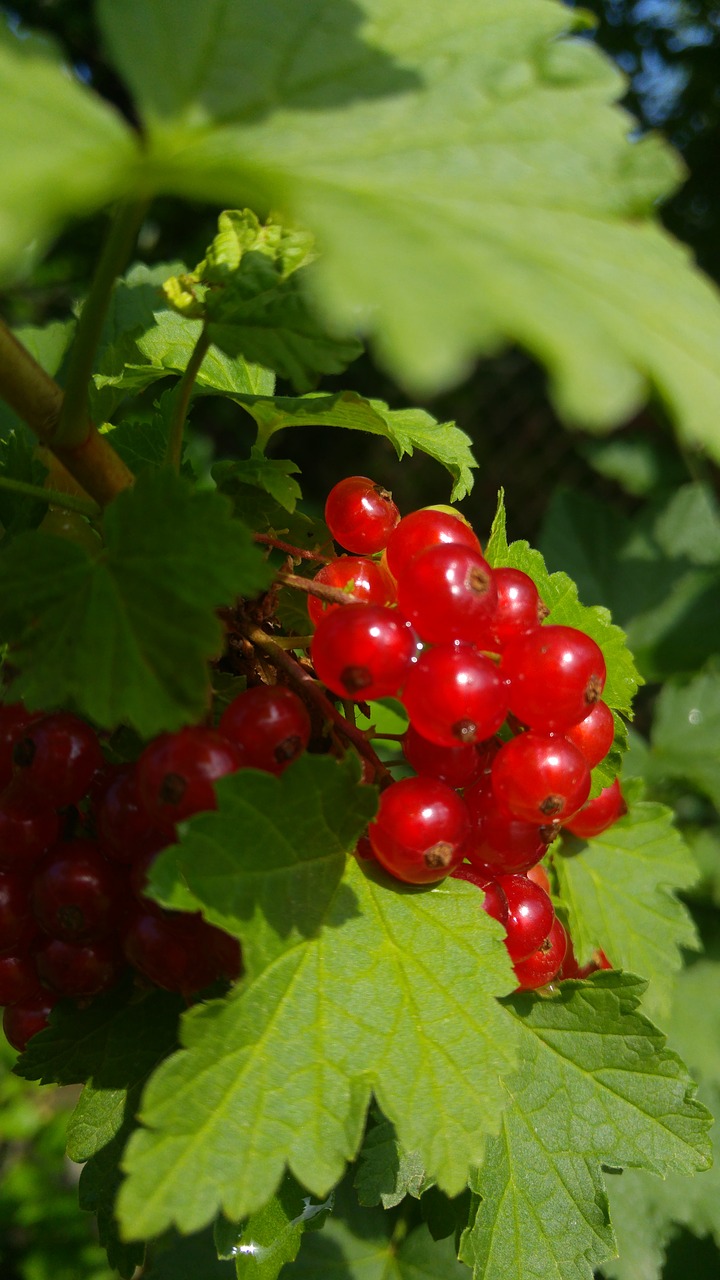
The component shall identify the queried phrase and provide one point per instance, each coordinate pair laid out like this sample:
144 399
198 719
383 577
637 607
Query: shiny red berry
172 950
14 720
420 829
423 529
27 830
545 963
364 579
530 915
78 969
519 607
360 515
18 979
595 734
556 675
268 725
76 893
540 778
454 696
23 1021
125 831
457 766
494 901
362 652
176 773
56 759
448 593
598 814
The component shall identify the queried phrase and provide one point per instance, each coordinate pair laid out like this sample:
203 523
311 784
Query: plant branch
297 553
73 426
311 690
54 497
183 391
334 595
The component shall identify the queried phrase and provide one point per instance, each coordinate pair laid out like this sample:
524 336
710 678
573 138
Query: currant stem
74 426
183 392
305 683
297 553
334 595
54 497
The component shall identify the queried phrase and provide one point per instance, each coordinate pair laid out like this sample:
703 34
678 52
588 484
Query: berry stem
335 595
297 553
309 689
182 394
73 425
54 497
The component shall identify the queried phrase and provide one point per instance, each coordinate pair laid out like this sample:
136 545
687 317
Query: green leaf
125 636
369 1244
406 429
391 991
386 1172
646 1212
596 1087
19 512
619 890
63 152
466 175
686 733
97 1191
182 1257
272 475
560 594
272 1236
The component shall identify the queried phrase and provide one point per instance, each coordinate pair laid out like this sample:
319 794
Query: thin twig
54 497
297 553
323 591
183 392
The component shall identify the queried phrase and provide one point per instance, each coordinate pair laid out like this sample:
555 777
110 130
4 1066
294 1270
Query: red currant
544 964
27 830
176 773
595 734
540 778
360 515
457 766
78 969
14 720
170 948
420 830
268 725
519 607
540 876
504 844
364 579
423 529
125 831
448 593
454 696
16 923
23 1021
494 901
598 814
56 759
530 915
18 979
76 892
556 675
362 651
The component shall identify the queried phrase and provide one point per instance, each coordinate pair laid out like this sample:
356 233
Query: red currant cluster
464 648
77 836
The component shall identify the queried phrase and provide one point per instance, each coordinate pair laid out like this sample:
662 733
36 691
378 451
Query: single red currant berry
17 926
556 676
545 963
23 1021
598 814
494 901
176 773
519 607
530 915
539 875
56 759
420 829
362 652
508 845
454 696
78 969
448 593
457 766
423 529
364 850
365 580
268 725
125 831
76 892
170 949
569 967
595 734
18 980
360 515
14 720
27 830
541 778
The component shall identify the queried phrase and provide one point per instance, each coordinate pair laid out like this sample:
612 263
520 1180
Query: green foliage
272 1236
620 893
125 636
686 733
596 1087
386 1173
